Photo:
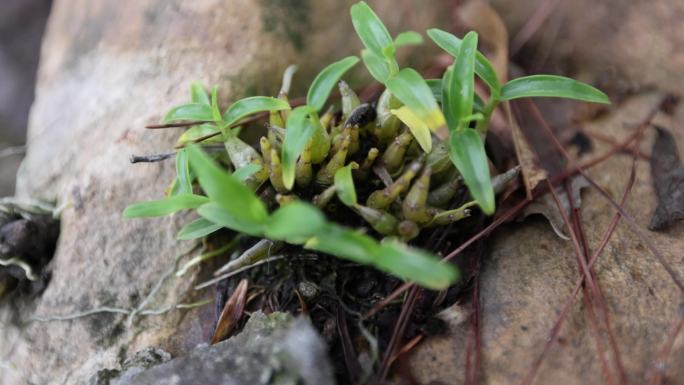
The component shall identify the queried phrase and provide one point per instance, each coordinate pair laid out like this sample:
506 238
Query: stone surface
627 44
108 68
530 273
273 349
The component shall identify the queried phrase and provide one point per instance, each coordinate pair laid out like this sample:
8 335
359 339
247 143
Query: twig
631 222
553 334
151 158
660 364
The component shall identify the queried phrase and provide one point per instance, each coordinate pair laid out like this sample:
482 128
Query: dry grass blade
231 314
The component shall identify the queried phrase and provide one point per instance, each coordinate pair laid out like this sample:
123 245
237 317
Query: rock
109 68
131 368
273 349
531 272
637 43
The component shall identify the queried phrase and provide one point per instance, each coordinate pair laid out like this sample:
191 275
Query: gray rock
274 349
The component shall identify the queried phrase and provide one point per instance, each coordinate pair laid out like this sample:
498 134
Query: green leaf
165 206
295 222
461 82
252 105
225 190
197 229
410 88
436 88
418 128
216 213
551 86
467 152
183 172
300 129
416 265
215 111
246 171
408 38
392 258
191 111
378 66
483 67
198 94
326 80
199 131
371 30
344 185
447 103
345 243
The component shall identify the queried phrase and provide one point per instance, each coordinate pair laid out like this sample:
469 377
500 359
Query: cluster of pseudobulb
401 188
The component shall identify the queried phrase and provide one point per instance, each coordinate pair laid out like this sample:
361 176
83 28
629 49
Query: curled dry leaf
231 314
546 205
668 181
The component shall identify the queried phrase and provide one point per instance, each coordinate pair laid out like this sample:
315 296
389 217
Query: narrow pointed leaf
378 66
326 80
200 131
345 243
191 111
461 85
295 222
436 88
197 229
552 86
408 38
198 94
183 172
447 103
300 129
215 111
166 206
483 67
410 88
231 219
252 105
344 185
371 30
467 152
415 265
245 172
420 130
225 190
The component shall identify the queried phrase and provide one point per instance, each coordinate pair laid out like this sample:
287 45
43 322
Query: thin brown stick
178 124
398 333
588 294
629 220
660 365
553 334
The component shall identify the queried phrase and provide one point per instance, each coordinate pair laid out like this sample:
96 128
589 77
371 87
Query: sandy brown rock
108 68
530 273
627 44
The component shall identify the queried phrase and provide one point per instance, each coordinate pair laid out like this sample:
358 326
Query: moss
288 19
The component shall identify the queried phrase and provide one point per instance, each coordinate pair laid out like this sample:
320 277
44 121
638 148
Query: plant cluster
396 164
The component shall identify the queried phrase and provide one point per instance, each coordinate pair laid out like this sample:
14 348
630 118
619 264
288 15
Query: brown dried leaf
231 314
546 205
668 180
533 174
